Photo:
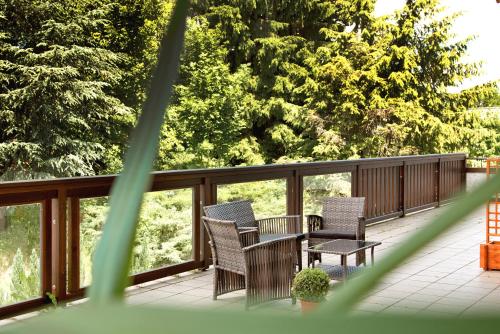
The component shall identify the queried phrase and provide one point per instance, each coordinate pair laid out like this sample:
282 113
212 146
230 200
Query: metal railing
392 187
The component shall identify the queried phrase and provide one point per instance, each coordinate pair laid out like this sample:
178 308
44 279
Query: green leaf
132 320
112 257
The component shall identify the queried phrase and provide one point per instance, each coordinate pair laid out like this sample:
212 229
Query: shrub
311 284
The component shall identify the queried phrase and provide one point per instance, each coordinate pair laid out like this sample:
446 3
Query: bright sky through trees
481 18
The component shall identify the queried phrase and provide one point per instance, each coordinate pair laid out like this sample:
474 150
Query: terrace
444 277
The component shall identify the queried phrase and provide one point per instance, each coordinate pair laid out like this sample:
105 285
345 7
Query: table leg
343 260
373 257
312 254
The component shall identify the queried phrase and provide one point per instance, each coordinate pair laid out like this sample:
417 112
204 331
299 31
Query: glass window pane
268 197
164 234
318 187
20 250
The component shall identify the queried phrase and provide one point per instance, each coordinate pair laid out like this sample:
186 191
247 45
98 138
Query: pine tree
58 115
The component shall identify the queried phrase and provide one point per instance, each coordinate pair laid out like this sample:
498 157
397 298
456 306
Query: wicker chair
342 218
264 269
269 228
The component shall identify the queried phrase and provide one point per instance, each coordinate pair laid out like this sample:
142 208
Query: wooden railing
392 187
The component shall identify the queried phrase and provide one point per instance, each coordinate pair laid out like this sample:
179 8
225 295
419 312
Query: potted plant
310 286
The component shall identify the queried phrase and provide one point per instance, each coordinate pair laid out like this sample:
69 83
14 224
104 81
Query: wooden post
46 246
402 189
59 245
356 182
209 197
74 246
464 173
198 228
293 195
438 183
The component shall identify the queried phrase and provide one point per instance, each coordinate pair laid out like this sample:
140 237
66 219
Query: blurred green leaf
132 320
112 257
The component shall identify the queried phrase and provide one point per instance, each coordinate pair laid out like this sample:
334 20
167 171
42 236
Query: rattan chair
342 218
269 228
264 269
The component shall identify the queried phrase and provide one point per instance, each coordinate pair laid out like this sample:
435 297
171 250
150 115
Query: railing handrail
54 183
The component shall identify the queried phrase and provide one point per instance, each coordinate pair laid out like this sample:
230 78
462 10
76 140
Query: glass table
343 247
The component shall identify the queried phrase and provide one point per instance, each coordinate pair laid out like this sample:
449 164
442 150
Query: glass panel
165 230
164 234
318 187
20 250
92 215
268 197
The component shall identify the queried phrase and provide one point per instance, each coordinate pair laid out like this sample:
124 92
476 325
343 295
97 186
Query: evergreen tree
209 122
58 115
25 277
330 80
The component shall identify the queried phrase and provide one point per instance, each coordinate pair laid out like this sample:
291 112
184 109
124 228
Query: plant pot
308 306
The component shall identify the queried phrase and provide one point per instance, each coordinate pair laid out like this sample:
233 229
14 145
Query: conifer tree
57 113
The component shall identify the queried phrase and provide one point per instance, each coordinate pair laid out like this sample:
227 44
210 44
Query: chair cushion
328 234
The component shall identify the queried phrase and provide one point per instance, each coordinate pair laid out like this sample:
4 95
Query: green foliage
52 298
268 197
211 107
19 246
164 231
25 277
327 81
311 284
317 187
259 83
58 112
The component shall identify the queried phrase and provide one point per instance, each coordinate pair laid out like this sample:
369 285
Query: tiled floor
444 278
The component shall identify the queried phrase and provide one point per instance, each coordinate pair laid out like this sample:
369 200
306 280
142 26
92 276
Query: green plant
52 298
311 284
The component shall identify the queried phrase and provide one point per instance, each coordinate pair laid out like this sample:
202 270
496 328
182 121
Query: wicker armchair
264 269
268 229
342 218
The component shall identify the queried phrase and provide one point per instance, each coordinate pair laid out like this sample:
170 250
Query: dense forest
260 82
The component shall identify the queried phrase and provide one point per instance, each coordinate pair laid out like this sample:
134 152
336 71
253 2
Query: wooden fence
392 187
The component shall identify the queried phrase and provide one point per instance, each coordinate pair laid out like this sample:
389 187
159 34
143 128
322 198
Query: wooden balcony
393 187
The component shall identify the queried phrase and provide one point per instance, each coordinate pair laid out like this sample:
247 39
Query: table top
343 246
266 237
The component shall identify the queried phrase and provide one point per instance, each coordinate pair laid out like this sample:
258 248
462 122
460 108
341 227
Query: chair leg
247 292
216 284
298 246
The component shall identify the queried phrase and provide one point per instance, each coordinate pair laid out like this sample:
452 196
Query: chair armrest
279 225
249 236
272 243
314 223
360 232
271 259
247 228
